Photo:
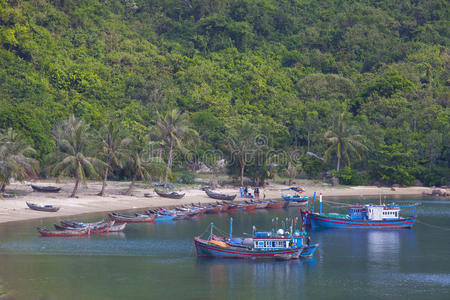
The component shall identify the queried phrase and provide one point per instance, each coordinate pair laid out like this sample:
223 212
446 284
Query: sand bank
15 209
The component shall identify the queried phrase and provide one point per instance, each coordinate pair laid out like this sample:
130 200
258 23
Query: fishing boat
275 204
66 223
92 229
61 233
173 195
212 208
45 189
117 228
218 196
45 207
260 204
295 200
361 216
138 218
283 244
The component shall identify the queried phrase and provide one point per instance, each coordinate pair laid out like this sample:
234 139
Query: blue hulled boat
275 245
295 200
360 216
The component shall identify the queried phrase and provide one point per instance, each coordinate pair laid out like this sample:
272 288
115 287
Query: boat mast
231 227
211 231
314 200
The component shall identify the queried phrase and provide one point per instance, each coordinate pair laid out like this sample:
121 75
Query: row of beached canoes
183 212
67 228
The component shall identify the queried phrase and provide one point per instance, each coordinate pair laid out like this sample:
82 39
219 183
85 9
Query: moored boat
173 195
117 228
275 204
61 233
219 196
119 218
45 189
361 216
261 245
45 207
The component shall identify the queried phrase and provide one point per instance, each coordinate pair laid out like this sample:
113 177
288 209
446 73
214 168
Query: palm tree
173 128
141 162
344 141
74 155
291 172
240 143
15 160
114 147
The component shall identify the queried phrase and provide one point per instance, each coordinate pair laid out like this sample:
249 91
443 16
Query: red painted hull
276 204
211 210
250 207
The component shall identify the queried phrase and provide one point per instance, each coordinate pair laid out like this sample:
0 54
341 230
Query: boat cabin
268 241
374 212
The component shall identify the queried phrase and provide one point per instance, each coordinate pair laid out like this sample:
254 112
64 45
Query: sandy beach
87 201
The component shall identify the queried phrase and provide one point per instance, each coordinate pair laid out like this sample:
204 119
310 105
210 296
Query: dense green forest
364 84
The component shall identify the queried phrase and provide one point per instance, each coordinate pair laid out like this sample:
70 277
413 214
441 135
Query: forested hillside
302 74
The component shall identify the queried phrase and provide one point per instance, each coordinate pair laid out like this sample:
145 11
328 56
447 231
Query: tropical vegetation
194 75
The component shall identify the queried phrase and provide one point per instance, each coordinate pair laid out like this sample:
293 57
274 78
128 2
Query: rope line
432 225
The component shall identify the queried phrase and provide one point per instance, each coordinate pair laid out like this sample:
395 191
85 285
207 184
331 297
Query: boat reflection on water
226 275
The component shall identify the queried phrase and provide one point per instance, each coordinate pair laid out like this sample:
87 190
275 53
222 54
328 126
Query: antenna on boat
231 227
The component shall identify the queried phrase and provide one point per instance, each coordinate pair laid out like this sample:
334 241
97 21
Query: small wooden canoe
172 195
132 219
66 223
117 228
39 207
261 204
45 189
275 204
250 207
61 233
210 209
218 196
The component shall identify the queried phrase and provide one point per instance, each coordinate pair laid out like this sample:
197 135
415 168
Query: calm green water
157 261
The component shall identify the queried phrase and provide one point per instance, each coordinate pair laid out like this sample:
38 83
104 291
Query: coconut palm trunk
102 192
2 188
170 160
133 181
74 192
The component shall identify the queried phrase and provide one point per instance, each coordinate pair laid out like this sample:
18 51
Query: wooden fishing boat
61 233
360 216
173 195
46 207
210 209
218 196
45 189
250 206
117 228
132 219
295 200
66 223
275 204
261 204
61 227
261 245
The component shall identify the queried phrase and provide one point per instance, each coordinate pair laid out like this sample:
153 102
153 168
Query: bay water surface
157 261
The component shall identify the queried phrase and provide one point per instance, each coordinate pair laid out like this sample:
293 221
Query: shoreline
15 209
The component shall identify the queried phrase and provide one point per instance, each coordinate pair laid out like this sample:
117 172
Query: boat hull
315 220
276 204
294 203
206 249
